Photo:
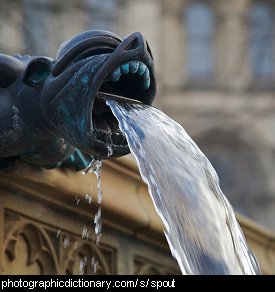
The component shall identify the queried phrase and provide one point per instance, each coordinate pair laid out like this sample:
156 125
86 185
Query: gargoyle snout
92 62
135 45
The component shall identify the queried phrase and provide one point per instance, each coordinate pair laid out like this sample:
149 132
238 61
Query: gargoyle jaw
106 135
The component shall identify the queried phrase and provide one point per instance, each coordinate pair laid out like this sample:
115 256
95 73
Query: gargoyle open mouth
93 62
130 80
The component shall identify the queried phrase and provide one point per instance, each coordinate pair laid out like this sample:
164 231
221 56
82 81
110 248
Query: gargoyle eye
40 73
37 71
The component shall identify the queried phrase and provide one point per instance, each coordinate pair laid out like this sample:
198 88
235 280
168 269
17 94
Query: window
199 22
261 24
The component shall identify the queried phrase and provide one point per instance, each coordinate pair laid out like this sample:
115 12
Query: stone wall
47 224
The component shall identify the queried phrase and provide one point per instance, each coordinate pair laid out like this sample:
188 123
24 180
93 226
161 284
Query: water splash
200 226
95 167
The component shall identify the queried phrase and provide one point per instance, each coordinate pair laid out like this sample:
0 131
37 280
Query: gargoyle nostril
138 42
134 44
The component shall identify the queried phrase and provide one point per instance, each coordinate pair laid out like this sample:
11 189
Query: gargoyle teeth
118 138
134 67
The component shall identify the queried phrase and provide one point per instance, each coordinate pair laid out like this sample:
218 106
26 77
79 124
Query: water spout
49 107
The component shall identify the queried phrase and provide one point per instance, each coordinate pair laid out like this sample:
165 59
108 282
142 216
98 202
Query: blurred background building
215 65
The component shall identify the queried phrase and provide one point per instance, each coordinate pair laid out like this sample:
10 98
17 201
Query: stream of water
200 226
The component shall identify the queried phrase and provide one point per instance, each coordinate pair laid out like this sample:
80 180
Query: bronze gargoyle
49 110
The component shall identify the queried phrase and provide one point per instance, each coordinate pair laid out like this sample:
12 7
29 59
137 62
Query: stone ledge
126 204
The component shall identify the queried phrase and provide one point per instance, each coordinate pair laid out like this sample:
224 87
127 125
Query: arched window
261 24
199 22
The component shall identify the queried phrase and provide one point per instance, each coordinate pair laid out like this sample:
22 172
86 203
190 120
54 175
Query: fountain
200 226
54 112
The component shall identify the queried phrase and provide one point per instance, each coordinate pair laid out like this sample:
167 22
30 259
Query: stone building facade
215 66
218 83
47 223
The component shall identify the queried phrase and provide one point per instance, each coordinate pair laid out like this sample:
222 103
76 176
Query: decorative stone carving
86 259
28 249
41 225
31 247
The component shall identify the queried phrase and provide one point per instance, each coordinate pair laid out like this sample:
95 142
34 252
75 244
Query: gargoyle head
60 94
93 61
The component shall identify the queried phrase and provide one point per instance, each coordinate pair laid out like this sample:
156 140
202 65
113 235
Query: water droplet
98 239
58 233
85 232
77 200
66 242
98 222
89 198
110 150
82 265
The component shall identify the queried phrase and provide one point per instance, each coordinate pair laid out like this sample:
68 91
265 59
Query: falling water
200 226
95 167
